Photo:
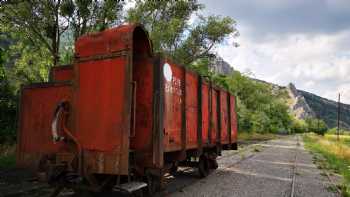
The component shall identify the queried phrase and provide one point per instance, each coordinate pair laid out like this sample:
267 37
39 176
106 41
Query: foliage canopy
177 29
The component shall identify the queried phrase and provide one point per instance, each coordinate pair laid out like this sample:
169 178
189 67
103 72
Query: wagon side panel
62 73
214 117
103 113
224 118
205 114
234 120
173 96
141 134
191 110
37 106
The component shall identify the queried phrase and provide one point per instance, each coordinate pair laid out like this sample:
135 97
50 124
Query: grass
336 156
7 156
344 139
246 136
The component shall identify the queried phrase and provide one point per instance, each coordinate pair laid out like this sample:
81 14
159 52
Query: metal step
130 187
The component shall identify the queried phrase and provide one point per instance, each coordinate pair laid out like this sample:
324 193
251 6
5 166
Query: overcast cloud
306 42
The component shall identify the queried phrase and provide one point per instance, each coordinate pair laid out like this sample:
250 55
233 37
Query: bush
298 126
334 131
317 126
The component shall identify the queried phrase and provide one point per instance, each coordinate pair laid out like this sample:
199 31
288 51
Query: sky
305 42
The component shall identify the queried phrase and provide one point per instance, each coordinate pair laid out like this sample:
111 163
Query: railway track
292 193
294 171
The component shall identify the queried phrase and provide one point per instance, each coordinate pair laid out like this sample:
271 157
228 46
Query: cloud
268 17
303 42
312 63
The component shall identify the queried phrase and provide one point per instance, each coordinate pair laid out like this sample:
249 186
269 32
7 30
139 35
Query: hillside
305 104
327 110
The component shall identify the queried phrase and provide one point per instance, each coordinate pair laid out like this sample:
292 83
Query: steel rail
294 168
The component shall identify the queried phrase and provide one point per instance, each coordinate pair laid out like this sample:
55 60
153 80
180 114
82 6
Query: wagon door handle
60 109
134 88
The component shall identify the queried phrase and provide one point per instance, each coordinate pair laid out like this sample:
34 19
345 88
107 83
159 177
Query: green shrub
317 126
298 126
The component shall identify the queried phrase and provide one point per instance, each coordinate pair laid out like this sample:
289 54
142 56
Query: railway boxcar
120 117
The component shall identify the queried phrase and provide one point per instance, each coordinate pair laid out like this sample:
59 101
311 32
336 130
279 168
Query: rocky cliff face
299 107
220 66
307 105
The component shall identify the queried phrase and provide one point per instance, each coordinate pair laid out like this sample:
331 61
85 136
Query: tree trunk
56 35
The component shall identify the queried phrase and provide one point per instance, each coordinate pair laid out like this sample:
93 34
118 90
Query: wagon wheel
154 184
213 164
203 166
174 168
234 146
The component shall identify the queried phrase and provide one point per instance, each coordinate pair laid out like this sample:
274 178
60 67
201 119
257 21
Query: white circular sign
168 74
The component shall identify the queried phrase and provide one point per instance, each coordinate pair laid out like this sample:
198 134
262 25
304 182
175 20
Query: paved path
268 171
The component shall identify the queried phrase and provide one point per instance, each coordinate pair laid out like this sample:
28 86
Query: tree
168 23
8 105
316 125
260 109
89 16
43 23
37 35
38 21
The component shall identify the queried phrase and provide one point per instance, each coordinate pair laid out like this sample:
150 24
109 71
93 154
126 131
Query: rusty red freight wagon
120 117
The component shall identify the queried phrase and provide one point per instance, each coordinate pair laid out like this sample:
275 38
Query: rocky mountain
298 105
221 66
307 105
326 110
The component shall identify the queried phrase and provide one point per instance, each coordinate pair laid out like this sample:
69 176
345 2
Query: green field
336 154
